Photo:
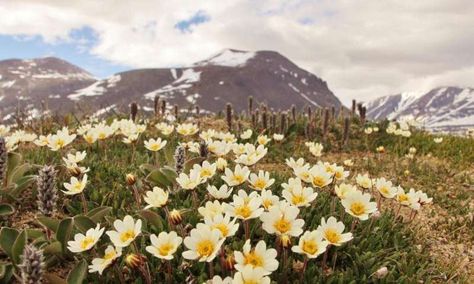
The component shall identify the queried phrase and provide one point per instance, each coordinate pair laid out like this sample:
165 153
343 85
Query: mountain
229 76
441 109
25 84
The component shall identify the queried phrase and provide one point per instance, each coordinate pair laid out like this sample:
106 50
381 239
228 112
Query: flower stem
84 203
211 270
247 229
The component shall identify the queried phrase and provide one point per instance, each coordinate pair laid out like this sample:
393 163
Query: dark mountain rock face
229 76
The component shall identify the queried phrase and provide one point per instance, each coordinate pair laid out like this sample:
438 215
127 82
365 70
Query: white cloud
362 49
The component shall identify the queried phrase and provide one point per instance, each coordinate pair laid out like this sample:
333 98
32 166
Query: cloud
363 49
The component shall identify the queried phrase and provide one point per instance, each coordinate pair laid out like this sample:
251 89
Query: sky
363 49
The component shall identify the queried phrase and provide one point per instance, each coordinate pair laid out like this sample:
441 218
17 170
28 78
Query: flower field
258 197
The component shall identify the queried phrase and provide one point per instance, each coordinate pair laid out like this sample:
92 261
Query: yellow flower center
310 247
60 143
223 228
238 179
206 173
205 248
86 242
155 147
243 211
384 190
282 225
253 259
403 197
332 236
319 181
77 186
338 175
127 235
298 199
165 249
267 203
357 208
260 184
109 255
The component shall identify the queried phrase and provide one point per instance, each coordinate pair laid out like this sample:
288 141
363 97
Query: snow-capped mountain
229 76
25 84
441 109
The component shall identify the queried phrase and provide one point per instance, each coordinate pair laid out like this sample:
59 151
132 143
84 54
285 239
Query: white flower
125 231
99 264
259 257
311 244
155 145
249 275
226 227
86 242
300 196
165 245
218 280
245 206
221 164
268 199
319 176
332 231
385 188
211 209
364 181
262 181
438 140
75 186
410 199
316 149
344 189
190 181
246 134
75 158
282 220
156 198
358 204
187 129
236 177
278 137
222 193
263 139
203 243
206 170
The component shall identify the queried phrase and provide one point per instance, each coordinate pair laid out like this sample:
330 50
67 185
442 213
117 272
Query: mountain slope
443 108
24 84
230 76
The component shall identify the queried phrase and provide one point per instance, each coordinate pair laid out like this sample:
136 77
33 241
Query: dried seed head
197 109
32 265
3 159
133 111
179 157
346 131
228 115
203 150
250 110
176 112
163 107
47 191
156 105
293 113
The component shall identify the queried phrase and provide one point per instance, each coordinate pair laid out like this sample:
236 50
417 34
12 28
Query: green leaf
18 246
158 178
63 235
53 279
7 238
34 234
21 184
49 223
53 248
78 273
97 214
14 159
18 172
153 218
188 165
6 209
6 273
83 223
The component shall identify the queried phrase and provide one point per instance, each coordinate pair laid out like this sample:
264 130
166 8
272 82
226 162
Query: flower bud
381 272
175 217
131 179
229 262
285 241
135 261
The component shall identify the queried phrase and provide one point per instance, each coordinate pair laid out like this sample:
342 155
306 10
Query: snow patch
90 91
228 57
184 82
173 73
